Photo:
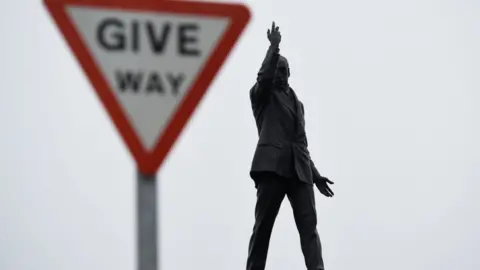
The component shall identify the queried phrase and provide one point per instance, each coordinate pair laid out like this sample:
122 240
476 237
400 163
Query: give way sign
149 61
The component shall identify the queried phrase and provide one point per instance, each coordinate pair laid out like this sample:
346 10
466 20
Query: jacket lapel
286 102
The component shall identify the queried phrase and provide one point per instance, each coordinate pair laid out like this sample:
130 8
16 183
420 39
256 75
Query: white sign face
150 60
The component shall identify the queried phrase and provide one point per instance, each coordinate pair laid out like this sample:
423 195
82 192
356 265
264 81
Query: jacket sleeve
266 74
316 176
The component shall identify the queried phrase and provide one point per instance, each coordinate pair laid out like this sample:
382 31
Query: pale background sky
391 92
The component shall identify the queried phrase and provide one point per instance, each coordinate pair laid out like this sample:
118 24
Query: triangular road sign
150 61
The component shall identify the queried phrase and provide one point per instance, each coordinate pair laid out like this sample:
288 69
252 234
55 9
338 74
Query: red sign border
149 162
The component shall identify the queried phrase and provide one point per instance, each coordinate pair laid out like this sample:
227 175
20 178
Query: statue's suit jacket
279 144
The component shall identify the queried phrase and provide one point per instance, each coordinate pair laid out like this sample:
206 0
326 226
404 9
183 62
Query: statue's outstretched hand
322 185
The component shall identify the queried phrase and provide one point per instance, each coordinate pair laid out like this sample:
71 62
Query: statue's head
283 71
282 67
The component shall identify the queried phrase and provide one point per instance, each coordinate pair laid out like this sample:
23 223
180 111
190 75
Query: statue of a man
281 163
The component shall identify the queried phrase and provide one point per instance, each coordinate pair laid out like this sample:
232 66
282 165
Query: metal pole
146 222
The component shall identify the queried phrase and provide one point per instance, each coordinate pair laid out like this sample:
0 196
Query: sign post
150 63
146 222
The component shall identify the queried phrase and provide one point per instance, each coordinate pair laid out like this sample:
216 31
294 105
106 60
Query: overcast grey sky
391 93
